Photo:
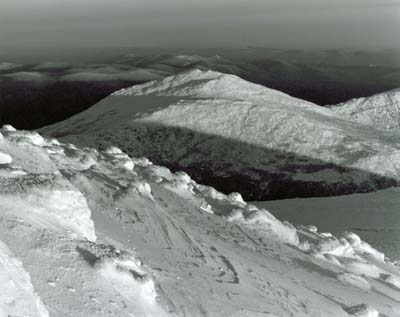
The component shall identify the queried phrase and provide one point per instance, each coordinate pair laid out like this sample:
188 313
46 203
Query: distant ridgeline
35 95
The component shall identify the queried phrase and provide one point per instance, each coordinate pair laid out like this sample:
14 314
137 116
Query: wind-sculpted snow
239 136
165 245
32 187
381 111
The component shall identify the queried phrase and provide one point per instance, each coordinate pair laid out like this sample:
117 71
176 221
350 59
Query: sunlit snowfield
98 233
375 216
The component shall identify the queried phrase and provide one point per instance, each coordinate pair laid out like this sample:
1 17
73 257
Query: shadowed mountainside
255 184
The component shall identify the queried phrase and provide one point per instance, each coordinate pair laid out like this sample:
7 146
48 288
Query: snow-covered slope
126 237
381 111
374 216
238 136
17 297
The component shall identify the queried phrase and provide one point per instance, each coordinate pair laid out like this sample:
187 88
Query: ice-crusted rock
166 245
363 310
34 188
239 137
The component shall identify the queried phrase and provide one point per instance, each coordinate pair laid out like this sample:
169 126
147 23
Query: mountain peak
199 83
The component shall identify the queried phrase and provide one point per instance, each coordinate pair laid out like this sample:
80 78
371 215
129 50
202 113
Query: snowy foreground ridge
238 136
88 233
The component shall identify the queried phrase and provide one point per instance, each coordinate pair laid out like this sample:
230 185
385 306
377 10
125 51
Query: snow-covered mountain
239 136
382 111
98 233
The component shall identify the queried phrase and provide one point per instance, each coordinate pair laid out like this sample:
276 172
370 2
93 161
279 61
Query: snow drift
239 136
127 237
17 297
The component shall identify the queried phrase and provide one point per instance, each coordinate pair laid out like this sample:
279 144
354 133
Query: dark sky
274 23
